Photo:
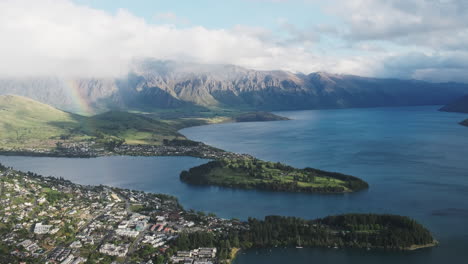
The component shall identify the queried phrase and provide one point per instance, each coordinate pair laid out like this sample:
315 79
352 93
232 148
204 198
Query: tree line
349 230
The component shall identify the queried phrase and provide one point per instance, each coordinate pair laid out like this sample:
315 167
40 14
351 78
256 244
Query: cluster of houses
196 256
197 149
114 250
102 219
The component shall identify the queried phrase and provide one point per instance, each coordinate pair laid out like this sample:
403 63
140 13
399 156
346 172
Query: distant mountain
460 105
464 123
167 84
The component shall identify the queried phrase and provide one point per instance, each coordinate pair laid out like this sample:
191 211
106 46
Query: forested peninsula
391 232
252 173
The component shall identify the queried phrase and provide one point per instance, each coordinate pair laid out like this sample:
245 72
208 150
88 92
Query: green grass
26 122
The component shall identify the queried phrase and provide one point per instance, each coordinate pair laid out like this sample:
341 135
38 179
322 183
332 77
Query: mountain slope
460 105
168 85
26 123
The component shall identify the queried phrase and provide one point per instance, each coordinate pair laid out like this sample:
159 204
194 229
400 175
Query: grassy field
254 173
25 122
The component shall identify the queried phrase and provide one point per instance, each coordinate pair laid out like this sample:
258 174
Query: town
51 220
89 149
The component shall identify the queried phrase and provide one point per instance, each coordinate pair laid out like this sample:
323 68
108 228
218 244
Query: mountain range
153 85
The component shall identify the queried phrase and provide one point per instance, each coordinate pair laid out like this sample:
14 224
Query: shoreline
417 247
234 253
44 152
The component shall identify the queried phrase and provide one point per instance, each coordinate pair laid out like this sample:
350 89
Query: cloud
377 38
58 37
435 23
419 39
437 67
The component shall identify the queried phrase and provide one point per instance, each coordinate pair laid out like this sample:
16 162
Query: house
113 250
41 229
184 254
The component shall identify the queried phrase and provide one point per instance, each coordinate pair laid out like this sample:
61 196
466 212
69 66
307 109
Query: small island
464 122
258 117
252 173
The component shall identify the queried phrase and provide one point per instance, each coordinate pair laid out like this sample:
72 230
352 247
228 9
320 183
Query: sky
408 39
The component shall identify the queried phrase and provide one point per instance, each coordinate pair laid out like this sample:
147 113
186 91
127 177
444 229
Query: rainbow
80 101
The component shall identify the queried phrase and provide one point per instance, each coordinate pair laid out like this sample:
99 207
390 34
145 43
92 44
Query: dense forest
257 174
350 230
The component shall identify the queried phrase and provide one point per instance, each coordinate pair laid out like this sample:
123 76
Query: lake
414 158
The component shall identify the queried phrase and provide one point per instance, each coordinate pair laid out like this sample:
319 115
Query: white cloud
58 37
400 38
435 23
428 38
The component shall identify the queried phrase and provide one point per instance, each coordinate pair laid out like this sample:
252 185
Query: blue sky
221 14
409 39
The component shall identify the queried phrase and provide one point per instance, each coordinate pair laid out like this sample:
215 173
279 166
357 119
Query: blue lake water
414 158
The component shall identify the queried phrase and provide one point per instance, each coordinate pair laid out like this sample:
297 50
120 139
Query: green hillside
25 123
134 128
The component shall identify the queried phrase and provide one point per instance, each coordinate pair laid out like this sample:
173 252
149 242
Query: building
41 229
113 250
207 252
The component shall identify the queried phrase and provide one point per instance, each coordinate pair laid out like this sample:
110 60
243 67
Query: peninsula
252 173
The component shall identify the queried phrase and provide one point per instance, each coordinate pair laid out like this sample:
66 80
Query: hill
460 105
173 85
25 123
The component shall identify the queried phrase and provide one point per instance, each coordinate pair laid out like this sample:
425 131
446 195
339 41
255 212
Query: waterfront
414 159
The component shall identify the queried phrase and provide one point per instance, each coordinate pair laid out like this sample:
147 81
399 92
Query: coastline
202 150
234 253
416 247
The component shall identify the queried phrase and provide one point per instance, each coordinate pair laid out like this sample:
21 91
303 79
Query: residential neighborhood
51 220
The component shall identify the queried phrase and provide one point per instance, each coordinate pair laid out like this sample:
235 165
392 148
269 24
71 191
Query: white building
113 250
41 229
